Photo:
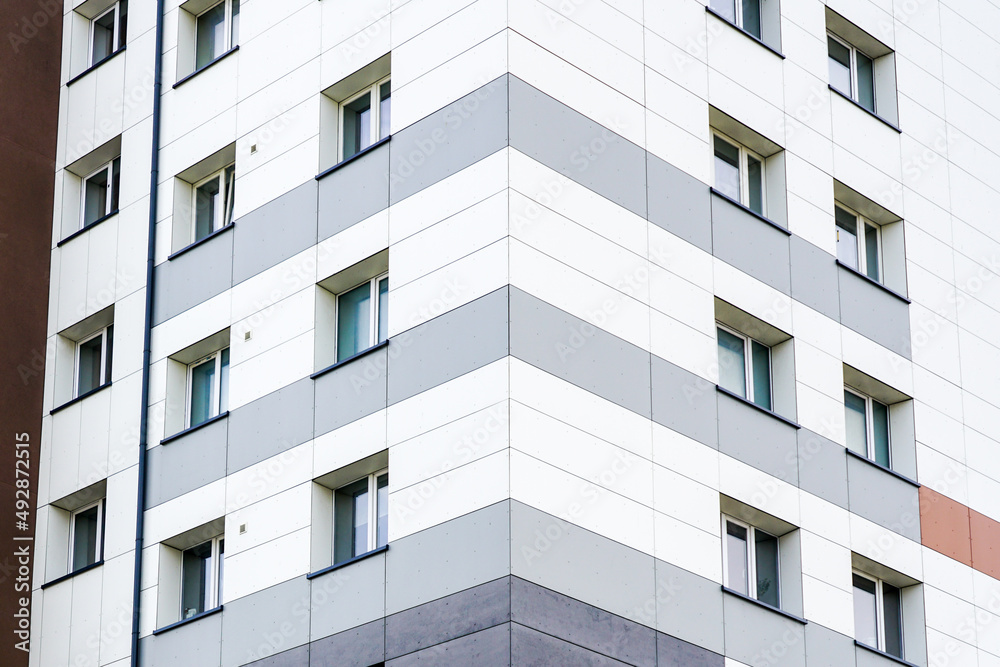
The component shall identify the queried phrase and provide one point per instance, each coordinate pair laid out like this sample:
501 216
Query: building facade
523 332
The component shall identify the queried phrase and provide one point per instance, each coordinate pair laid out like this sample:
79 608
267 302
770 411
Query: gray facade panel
814 278
486 648
679 203
354 191
750 244
565 140
450 617
530 648
187 463
358 647
758 439
448 558
195 644
577 562
197 275
672 652
578 352
595 629
755 635
264 623
448 140
822 467
685 606
274 232
868 658
828 648
352 391
348 597
874 313
270 425
296 657
883 498
448 346
684 402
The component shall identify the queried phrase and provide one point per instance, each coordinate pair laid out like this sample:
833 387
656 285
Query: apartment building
523 332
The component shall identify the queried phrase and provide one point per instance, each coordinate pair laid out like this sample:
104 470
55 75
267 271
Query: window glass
840 66
122 22
109 339
871 252
360 521
195 580
357 125
89 371
205 208
766 553
202 392
234 30
892 609
382 500
866 81
727 168
751 17
344 520
725 8
732 365
220 564
865 624
85 536
211 35
224 381
847 238
857 429
116 180
384 110
755 177
880 424
104 37
95 197
230 178
353 321
383 309
736 557
761 368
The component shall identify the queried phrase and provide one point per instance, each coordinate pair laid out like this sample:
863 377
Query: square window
101 192
750 561
108 32
362 317
364 118
355 112
201 577
93 361
851 72
739 173
878 422
75 531
878 614
361 516
744 366
208 387
86 536
197 387
861 68
217 31
859 243
213 202
867 422
742 13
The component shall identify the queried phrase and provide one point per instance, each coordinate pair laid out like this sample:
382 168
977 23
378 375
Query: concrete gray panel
560 616
883 498
194 644
578 352
265 623
828 648
358 647
758 439
448 557
187 463
565 140
866 658
450 345
684 402
874 313
750 244
352 391
685 606
756 636
576 562
448 140
679 203
814 277
348 597
270 425
354 191
486 648
450 617
280 229
295 657
530 648
196 276
672 652
822 467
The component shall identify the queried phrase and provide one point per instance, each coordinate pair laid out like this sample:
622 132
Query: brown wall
30 44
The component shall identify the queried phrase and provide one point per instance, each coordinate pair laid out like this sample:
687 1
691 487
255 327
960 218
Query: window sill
204 239
196 617
87 228
317 573
884 654
179 434
93 67
324 371
851 452
79 398
874 282
765 605
754 38
870 113
352 158
204 67
72 574
723 390
750 211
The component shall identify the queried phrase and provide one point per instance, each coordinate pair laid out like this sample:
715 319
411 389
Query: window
86 536
107 32
361 516
217 31
859 243
867 422
861 68
739 173
365 118
742 13
878 614
362 319
878 423
744 366
851 72
208 387
93 361
750 563
201 577
100 193
213 202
